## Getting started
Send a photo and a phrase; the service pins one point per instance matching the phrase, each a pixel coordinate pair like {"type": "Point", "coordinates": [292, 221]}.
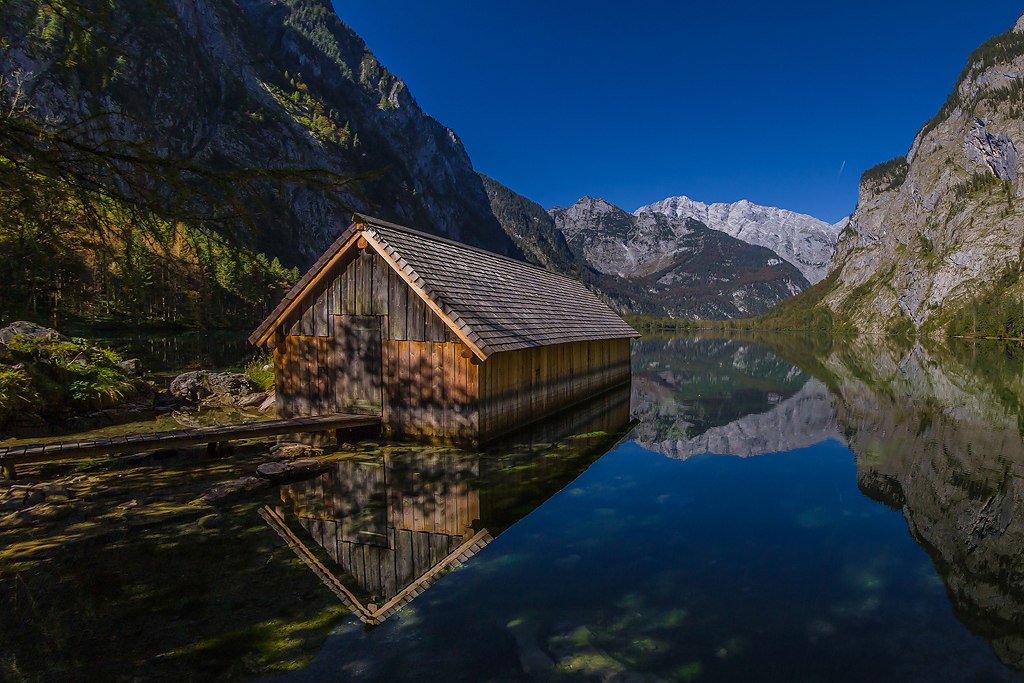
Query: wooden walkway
{"type": "Point", "coordinates": [11, 456]}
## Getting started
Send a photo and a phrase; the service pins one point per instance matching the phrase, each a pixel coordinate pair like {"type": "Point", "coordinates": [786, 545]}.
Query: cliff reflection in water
{"type": "Point", "coordinates": [397, 519]}
{"type": "Point", "coordinates": [936, 432]}
{"type": "Point", "coordinates": [937, 435]}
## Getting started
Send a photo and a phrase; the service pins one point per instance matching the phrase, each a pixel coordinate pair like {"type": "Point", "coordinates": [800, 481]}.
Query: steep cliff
{"type": "Point", "coordinates": [266, 84]}
{"type": "Point", "coordinates": [938, 235]}
{"type": "Point", "coordinates": [686, 269]}
{"type": "Point", "coordinates": [804, 241]}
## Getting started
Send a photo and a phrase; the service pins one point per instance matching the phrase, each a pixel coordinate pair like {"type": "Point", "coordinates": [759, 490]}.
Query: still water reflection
{"type": "Point", "coordinates": [742, 513]}
{"type": "Point", "coordinates": [790, 562]}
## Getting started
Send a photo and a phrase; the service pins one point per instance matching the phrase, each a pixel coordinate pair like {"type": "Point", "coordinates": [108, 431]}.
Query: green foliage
{"type": "Point", "coordinates": [15, 391]}
{"type": "Point", "coordinates": [803, 312]}
{"type": "Point", "coordinates": [926, 245]}
{"type": "Point", "coordinates": [189, 278]}
{"type": "Point", "coordinates": [323, 121]}
{"type": "Point", "coordinates": [998, 49]}
{"type": "Point", "coordinates": [902, 326]}
{"type": "Point", "coordinates": [91, 202]}
{"type": "Point", "coordinates": [979, 182]}
{"type": "Point", "coordinates": [53, 376]}
{"type": "Point", "coordinates": [998, 312]}
{"type": "Point", "coordinates": [641, 322]}
{"type": "Point", "coordinates": [886, 176]}
{"type": "Point", "coordinates": [261, 371]}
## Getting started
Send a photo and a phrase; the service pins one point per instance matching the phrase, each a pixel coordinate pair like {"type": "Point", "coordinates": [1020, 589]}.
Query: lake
{"type": "Point", "coordinates": [777, 507]}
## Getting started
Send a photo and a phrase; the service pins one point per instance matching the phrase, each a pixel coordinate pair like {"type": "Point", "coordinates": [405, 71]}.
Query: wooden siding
{"type": "Point", "coordinates": [365, 342]}
{"type": "Point", "coordinates": [389, 525]}
{"type": "Point", "coordinates": [345, 344]}
{"type": "Point", "coordinates": [518, 387]}
{"type": "Point", "coordinates": [430, 391]}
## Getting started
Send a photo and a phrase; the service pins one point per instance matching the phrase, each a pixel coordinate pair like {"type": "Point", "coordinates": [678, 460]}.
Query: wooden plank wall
{"type": "Point", "coordinates": [430, 391]}
{"type": "Point", "coordinates": [518, 387]}
{"type": "Point", "coordinates": [427, 388]}
{"type": "Point", "coordinates": [419, 382]}
{"type": "Point", "coordinates": [387, 528]}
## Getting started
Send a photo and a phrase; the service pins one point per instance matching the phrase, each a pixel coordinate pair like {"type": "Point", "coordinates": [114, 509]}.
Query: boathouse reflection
{"type": "Point", "coordinates": [394, 521]}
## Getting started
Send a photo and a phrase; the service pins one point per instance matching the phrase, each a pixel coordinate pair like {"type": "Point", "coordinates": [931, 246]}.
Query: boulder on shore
{"type": "Point", "coordinates": [216, 388]}
{"type": "Point", "coordinates": [22, 328]}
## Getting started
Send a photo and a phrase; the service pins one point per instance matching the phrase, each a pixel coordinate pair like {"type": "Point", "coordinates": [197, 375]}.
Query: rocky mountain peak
{"type": "Point", "coordinates": [936, 240]}
{"type": "Point", "coordinates": [803, 241]}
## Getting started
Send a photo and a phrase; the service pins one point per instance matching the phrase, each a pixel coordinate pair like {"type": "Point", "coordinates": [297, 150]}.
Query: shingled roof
{"type": "Point", "coordinates": [492, 302]}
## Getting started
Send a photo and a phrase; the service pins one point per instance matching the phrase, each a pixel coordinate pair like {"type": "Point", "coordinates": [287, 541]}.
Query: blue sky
{"type": "Point", "coordinates": [784, 104]}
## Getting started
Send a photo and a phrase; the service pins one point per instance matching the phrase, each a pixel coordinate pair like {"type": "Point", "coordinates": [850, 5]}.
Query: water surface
{"type": "Point", "coordinates": [770, 508]}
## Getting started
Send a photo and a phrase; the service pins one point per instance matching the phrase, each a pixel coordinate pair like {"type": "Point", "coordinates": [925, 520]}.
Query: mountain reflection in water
{"type": "Point", "coordinates": [752, 524]}
{"type": "Point", "coordinates": [781, 567]}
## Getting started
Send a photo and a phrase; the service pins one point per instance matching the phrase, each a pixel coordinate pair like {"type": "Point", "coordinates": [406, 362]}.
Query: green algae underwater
{"type": "Point", "coordinates": [752, 525]}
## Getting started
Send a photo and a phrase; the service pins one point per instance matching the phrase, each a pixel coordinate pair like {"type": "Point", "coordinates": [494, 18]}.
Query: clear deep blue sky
{"type": "Point", "coordinates": [720, 101]}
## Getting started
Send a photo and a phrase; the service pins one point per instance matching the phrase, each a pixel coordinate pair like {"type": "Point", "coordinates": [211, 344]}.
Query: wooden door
{"type": "Point", "coordinates": [356, 361]}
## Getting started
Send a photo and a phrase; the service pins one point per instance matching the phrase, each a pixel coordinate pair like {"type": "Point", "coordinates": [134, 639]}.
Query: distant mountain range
{"type": "Point", "coordinates": [650, 264]}
{"type": "Point", "coordinates": [691, 270]}
{"type": "Point", "coordinates": [802, 240]}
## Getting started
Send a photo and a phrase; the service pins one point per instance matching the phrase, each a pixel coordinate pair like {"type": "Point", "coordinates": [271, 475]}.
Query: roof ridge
{"type": "Point", "coordinates": [462, 245]}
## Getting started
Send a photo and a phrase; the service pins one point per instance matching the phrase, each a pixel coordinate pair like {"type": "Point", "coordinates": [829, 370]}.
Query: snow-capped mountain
{"type": "Point", "coordinates": [804, 241]}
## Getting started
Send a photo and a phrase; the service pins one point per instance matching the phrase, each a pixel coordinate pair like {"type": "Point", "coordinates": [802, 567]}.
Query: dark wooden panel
{"type": "Point", "coordinates": [421, 553]}
{"type": "Point", "coordinates": [416, 318]}
{"type": "Point", "coordinates": [350, 288]}
{"type": "Point", "coordinates": [364, 290]}
{"type": "Point", "coordinates": [308, 322]}
{"type": "Point", "coordinates": [320, 316]}
{"type": "Point", "coordinates": [324, 378]}
{"type": "Point", "coordinates": [405, 570]}
{"type": "Point", "coordinates": [397, 312]}
{"type": "Point", "coordinates": [379, 303]}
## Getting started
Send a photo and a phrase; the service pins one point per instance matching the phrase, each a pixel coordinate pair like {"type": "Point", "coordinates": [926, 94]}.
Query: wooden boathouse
{"type": "Point", "coordinates": [442, 340]}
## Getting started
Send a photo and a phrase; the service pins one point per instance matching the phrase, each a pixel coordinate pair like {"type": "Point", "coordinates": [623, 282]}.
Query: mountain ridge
{"type": "Point", "coordinates": [802, 240]}
{"type": "Point", "coordinates": [936, 243]}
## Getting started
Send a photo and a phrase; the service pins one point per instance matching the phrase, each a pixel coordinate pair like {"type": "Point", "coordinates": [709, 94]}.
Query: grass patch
{"type": "Point", "coordinates": [261, 371]}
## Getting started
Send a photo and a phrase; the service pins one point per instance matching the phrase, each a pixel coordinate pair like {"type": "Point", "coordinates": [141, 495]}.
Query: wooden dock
{"type": "Point", "coordinates": [11, 456]}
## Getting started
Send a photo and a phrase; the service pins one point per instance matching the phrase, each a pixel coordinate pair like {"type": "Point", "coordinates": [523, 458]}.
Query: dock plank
{"type": "Point", "coordinates": [133, 443]}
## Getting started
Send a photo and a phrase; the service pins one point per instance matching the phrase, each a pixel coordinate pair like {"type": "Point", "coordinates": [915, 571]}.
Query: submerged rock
{"type": "Point", "coordinates": [233, 488]}
{"type": "Point", "coordinates": [293, 451]}
{"type": "Point", "coordinates": [287, 470]}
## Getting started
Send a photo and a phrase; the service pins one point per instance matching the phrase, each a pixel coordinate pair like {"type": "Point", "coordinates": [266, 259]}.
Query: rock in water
{"type": "Point", "coordinates": [293, 451]}
{"type": "Point", "coordinates": [233, 488]}
{"type": "Point", "coordinates": [190, 386]}
{"type": "Point", "coordinates": [287, 470]}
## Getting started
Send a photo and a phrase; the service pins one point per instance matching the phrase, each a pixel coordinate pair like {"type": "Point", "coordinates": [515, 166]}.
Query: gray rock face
{"type": "Point", "coordinates": [216, 388]}
{"type": "Point", "coordinates": [29, 330]}
{"type": "Point", "coordinates": [211, 76]}
{"type": "Point", "coordinates": [994, 150]}
{"type": "Point", "coordinates": [940, 233]}
{"type": "Point", "coordinates": [686, 269]}
{"type": "Point", "coordinates": [802, 240]}
{"type": "Point", "coordinates": [614, 242]}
